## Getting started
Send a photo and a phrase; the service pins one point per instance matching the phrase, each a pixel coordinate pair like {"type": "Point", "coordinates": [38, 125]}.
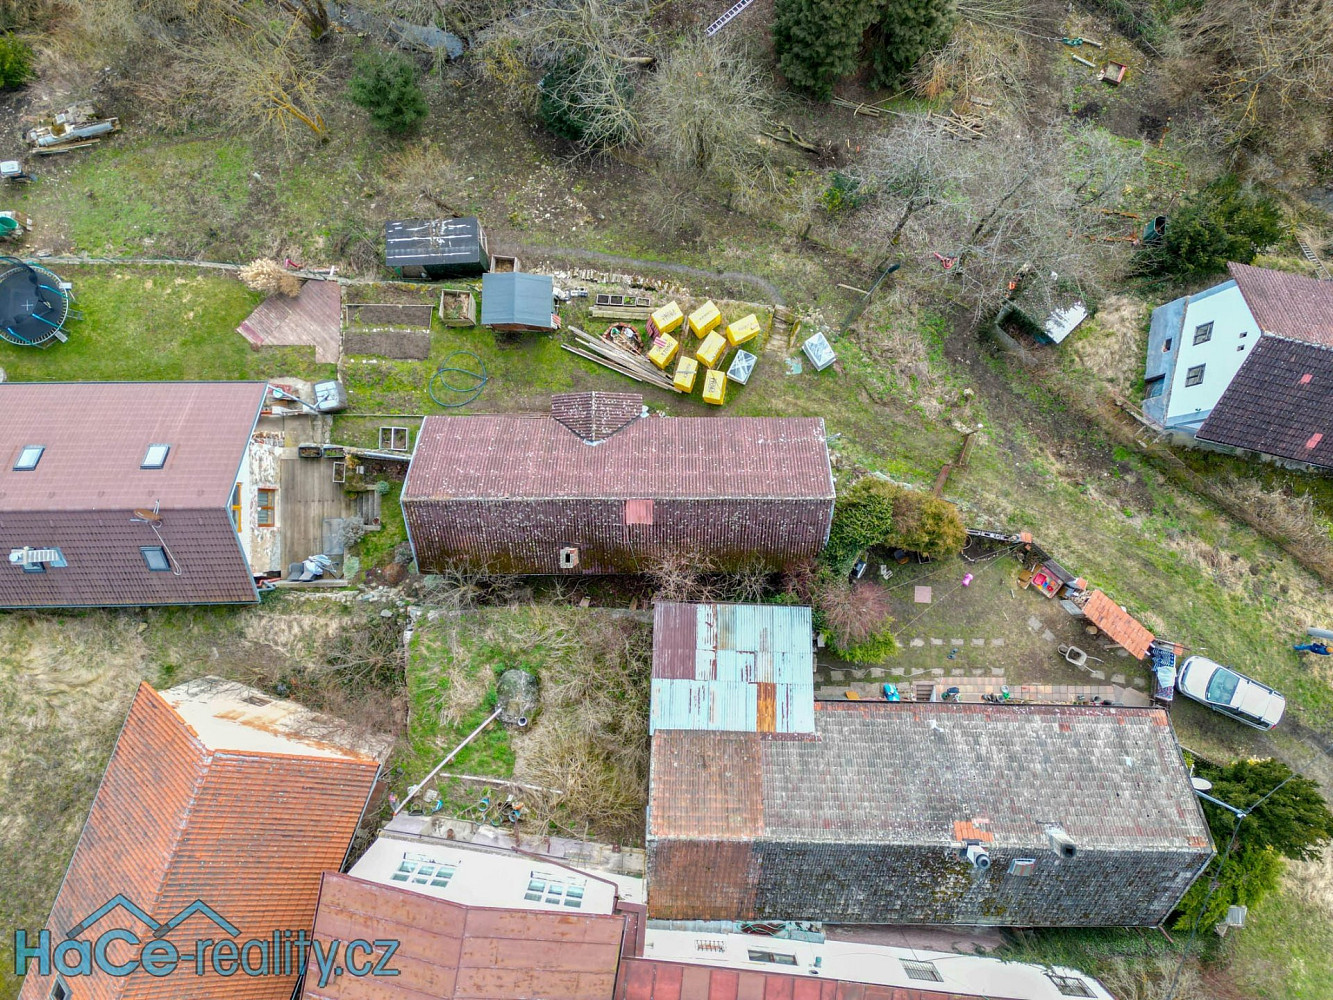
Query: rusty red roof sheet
{"type": "Point", "coordinates": [1287, 305]}
{"type": "Point", "coordinates": [648, 979]}
{"type": "Point", "coordinates": [1121, 626]}
{"type": "Point", "coordinates": [506, 456]}
{"type": "Point", "coordinates": [450, 950]}
{"type": "Point", "coordinates": [595, 416]}
{"type": "Point", "coordinates": [174, 822]}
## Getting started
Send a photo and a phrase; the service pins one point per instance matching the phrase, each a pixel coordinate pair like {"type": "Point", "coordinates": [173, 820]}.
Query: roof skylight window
{"type": "Point", "coordinates": [29, 457]}
{"type": "Point", "coordinates": [155, 457]}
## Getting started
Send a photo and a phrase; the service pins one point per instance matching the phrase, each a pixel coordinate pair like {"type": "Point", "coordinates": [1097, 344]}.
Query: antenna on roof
{"type": "Point", "coordinates": [153, 518]}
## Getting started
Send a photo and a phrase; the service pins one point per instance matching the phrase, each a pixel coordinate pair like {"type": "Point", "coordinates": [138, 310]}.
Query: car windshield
{"type": "Point", "coordinates": [1221, 686]}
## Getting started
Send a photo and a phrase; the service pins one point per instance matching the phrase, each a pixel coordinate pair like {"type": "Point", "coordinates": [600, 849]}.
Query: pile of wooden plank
{"type": "Point", "coordinates": [618, 359]}
{"type": "Point", "coordinates": [959, 126]}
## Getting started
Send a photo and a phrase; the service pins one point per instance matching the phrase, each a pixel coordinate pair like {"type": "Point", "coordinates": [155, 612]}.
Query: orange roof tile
{"type": "Point", "coordinates": [174, 822]}
{"type": "Point", "coordinates": [1118, 624]}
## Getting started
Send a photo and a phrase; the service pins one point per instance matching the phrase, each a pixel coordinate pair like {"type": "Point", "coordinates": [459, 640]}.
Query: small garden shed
{"type": "Point", "coordinates": [435, 249]}
{"type": "Point", "coordinates": [517, 301]}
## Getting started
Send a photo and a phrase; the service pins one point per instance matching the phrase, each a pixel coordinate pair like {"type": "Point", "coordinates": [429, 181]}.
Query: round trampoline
{"type": "Point", "coordinates": [33, 307]}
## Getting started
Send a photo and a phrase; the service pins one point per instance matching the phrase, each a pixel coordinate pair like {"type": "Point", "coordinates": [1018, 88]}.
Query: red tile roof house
{"type": "Point", "coordinates": [80, 458]}
{"type": "Point", "coordinates": [1083, 816]}
{"type": "Point", "coordinates": [214, 793]}
{"type": "Point", "coordinates": [595, 486]}
{"type": "Point", "coordinates": [1246, 367]}
{"type": "Point", "coordinates": [472, 923]}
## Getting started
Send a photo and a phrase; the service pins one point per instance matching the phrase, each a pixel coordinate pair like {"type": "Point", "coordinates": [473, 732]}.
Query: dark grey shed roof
{"type": "Point", "coordinates": [516, 298]}
{"type": "Point", "coordinates": [432, 241]}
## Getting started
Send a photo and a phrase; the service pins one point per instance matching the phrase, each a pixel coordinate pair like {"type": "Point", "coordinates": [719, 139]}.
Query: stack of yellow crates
{"type": "Point", "coordinates": [715, 387]}
{"type": "Point", "coordinates": [745, 328]}
{"type": "Point", "coordinates": [705, 319]}
{"type": "Point", "coordinates": [668, 318]}
{"type": "Point", "coordinates": [663, 350]}
{"type": "Point", "coordinates": [711, 350]}
{"type": "Point", "coordinates": [686, 370]}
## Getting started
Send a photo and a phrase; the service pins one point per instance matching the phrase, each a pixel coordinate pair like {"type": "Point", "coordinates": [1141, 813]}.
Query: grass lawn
{"type": "Point", "coordinates": [588, 740]}
{"type": "Point", "coordinates": [156, 324]}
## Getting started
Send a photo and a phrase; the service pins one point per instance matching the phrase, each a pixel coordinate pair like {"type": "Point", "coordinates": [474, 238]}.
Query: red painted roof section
{"type": "Point", "coordinates": [505, 456]}
{"type": "Point", "coordinates": [595, 416]}
{"type": "Point", "coordinates": [1121, 626]}
{"type": "Point", "coordinates": [648, 979]}
{"type": "Point", "coordinates": [450, 951]}
{"type": "Point", "coordinates": [96, 434]}
{"type": "Point", "coordinates": [174, 822]}
{"type": "Point", "coordinates": [1288, 305]}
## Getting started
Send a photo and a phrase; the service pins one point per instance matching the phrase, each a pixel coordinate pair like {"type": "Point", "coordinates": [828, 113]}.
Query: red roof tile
{"type": "Point", "coordinates": [648, 979]}
{"type": "Point", "coordinates": [1121, 626]}
{"type": "Point", "coordinates": [174, 822]}
{"type": "Point", "coordinates": [1288, 305]}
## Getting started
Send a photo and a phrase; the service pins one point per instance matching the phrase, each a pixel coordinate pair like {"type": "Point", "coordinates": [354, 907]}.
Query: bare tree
{"type": "Point", "coordinates": [977, 214]}
{"type": "Point", "coordinates": [1267, 70]}
{"type": "Point", "coordinates": [702, 112]}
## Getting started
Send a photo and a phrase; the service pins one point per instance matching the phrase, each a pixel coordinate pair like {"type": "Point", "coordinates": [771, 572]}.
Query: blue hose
{"type": "Point", "coordinates": [477, 381]}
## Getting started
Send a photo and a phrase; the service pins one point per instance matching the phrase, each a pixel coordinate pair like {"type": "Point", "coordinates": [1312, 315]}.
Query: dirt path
{"type": "Point", "coordinates": [566, 253]}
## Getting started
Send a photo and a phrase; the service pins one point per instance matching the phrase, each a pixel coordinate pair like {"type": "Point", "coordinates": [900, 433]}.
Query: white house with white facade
{"type": "Point", "coordinates": [1247, 366]}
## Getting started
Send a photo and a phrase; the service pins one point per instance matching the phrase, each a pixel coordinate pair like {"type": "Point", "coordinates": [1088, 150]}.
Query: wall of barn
{"type": "Point", "coordinates": [526, 536]}
{"type": "Point", "coordinates": [906, 884]}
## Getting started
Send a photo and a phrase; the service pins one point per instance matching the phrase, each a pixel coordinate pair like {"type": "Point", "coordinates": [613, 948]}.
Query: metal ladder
{"type": "Point", "coordinates": [1308, 253]}
{"type": "Point", "coordinates": [726, 18]}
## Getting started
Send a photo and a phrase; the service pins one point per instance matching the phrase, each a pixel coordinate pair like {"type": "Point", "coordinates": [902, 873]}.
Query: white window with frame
{"type": "Point", "coordinates": [1194, 375]}
{"type": "Point", "coordinates": [156, 456]}
{"type": "Point", "coordinates": [155, 558]}
{"type": "Point", "coordinates": [422, 869]}
{"type": "Point", "coordinates": [563, 890]}
{"type": "Point", "coordinates": [29, 456]}
{"type": "Point", "coordinates": [1203, 333]}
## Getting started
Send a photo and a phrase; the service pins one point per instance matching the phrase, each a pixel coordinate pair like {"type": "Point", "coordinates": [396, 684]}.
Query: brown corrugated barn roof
{"type": "Point", "coordinates": [505, 456]}
{"type": "Point", "coordinates": [951, 762]}
{"type": "Point", "coordinates": [1287, 305]}
{"type": "Point", "coordinates": [1120, 625]}
{"type": "Point", "coordinates": [1280, 403]}
{"type": "Point", "coordinates": [177, 819]}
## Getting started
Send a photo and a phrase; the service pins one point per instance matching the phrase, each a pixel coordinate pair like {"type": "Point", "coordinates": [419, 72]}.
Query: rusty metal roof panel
{"type": "Point", "coordinates": [752, 668]}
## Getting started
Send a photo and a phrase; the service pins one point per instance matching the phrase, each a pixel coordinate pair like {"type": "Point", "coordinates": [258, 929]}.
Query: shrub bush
{"type": "Point", "coordinates": [1225, 221]}
{"type": "Point", "coordinates": [584, 102]}
{"type": "Point", "coordinates": [15, 62]}
{"type": "Point", "coordinates": [855, 618]}
{"type": "Point", "coordinates": [385, 85]}
{"type": "Point", "coordinates": [876, 512]}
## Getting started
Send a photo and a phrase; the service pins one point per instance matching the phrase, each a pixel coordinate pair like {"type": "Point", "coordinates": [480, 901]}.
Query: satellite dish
{"type": "Point", "coordinates": [150, 516]}
{"type": "Point", "coordinates": [1201, 784]}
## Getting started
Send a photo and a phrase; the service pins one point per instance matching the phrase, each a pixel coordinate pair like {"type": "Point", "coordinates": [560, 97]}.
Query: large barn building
{"type": "Point", "coordinates": [597, 486]}
{"type": "Point", "coordinates": [907, 813]}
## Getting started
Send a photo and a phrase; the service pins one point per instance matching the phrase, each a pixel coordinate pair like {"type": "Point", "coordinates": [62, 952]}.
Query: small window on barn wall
{"type": "Point", "coordinates": [1195, 375]}
{"type": "Point", "coordinates": [265, 515]}
{"type": "Point", "coordinates": [1155, 386]}
{"type": "Point", "coordinates": [569, 557]}
{"type": "Point", "coordinates": [638, 512]}
{"type": "Point", "coordinates": [1203, 333]}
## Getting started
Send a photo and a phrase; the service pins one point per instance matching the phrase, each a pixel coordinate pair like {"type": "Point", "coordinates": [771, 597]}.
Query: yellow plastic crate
{"type": "Point", "coordinates": [668, 317]}
{"type": "Point", "coordinates": [711, 350]}
{"type": "Point", "coordinates": [705, 319]}
{"type": "Point", "coordinates": [663, 350]}
{"type": "Point", "coordinates": [686, 370]}
{"type": "Point", "coordinates": [715, 387]}
{"type": "Point", "coordinates": [745, 328]}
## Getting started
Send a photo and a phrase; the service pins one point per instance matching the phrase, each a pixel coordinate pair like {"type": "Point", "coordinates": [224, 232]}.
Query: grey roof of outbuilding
{"type": "Point", "coordinates": [514, 297]}
{"type": "Point", "coordinates": [1279, 403]}
{"type": "Point", "coordinates": [432, 241]}
{"type": "Point", "coordinates": [906, 773]}
{"type": "Point", "coordinates": [537, 457]}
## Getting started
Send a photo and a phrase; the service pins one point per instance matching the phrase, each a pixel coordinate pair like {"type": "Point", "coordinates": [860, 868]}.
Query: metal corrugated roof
{"type": "Point", "coordinates": [733, 668]}
{"type": "Point", "coordinates": [516, 298]}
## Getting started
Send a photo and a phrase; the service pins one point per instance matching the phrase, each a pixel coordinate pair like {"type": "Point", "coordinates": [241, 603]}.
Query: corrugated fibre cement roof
{"type": "Point", "coordinates": [733, 667]}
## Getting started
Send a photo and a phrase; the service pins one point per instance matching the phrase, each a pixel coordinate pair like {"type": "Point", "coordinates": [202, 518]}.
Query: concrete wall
{"type": "Point", "coordinates": [513, 536]}
{"type": "Point", "coordinates": [263, 545]}
{"type": "Point", "coordinates": [915, 884]}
